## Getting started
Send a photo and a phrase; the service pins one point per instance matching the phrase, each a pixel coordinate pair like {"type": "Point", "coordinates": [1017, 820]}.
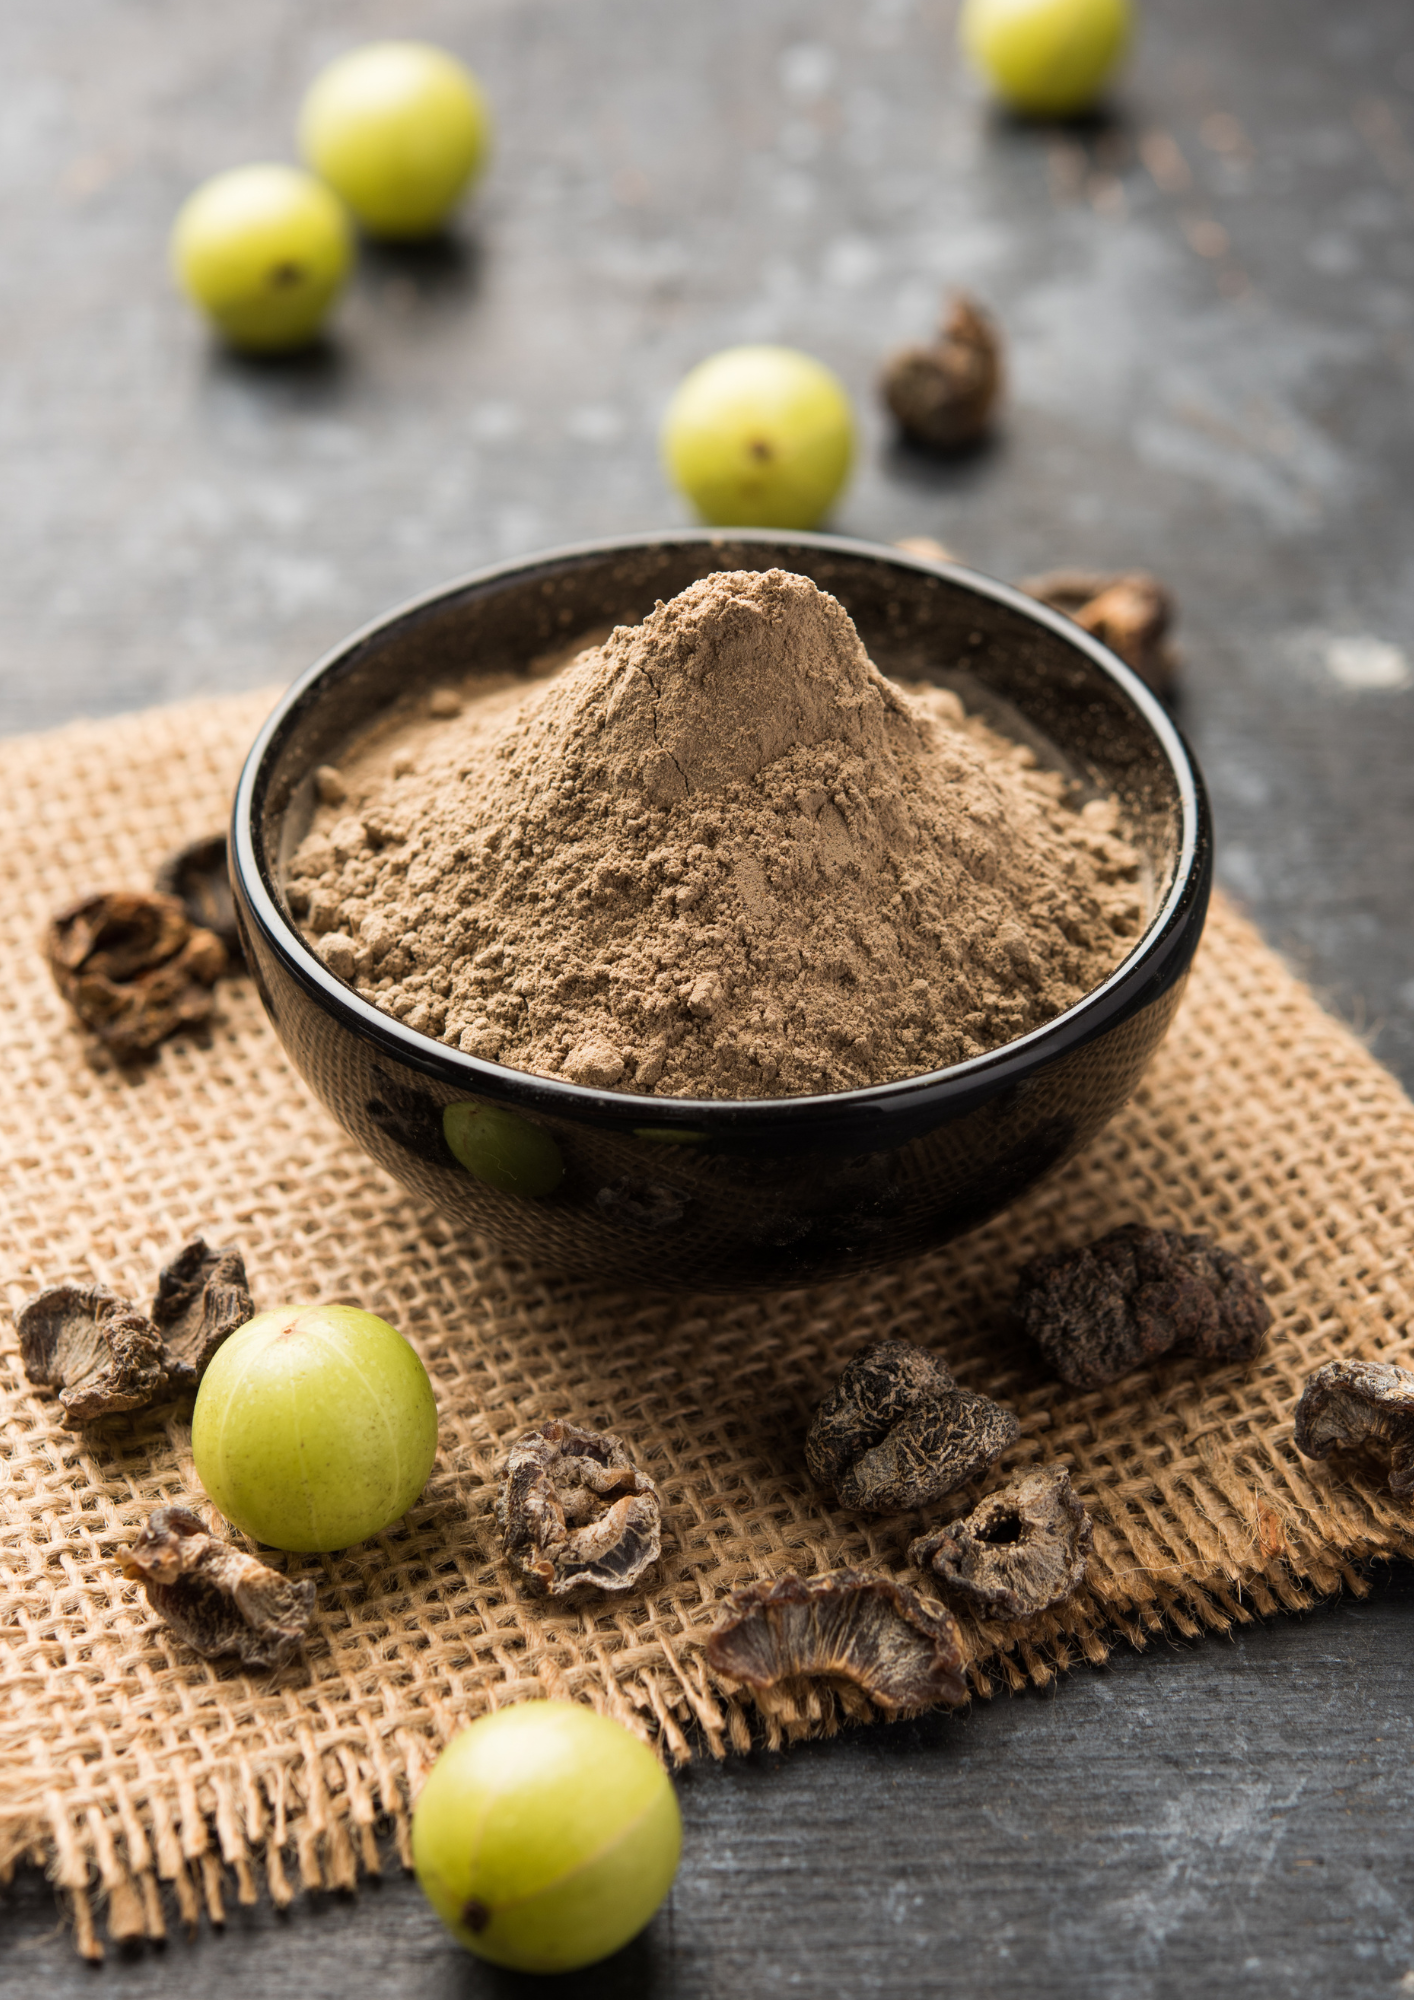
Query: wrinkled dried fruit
{"type": "Point", "coordinates": [97, 1350]}
{"type": "Point", "coordinates": [1023, 1548]}
{"type": "Point", "coordinates": [202, 1296]}
{"type": "Point", "coordinates": [1347, 1405]}
{"type": "Point", "coordinates": [1131, 614]}
{"type": "Point", "coordinates": [132, 968]}
{"type": "Point", "coordinates": [843, 1626]}
{"type": "Point", "coordinates": [944, 394]}
{"type": "Point", "coordinates": [200, 879]}
{"type": "Point", "coordinates": [1099, 1311]}
{"type": "Point", "coordinates": [896, 1431]}
{"type": "Point", "coordinates": [214, 1596]}
{"type": "Point", "coordinates": [573, 1509]}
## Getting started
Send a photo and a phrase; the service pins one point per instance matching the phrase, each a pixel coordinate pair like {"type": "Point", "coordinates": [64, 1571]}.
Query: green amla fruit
{"type": "Point", "coordinates": [314, 1427]}
{"type": "Point", "coordinates": [508, 1153]}
{"type": "Point", "coordinates": [546, 1836]}
{"type": "Point", "coordinates": [400, 130]}
{"type": "Point", "coordinates": [1048, 58]}
{"type": "Point", "coordinates": [264, 251]}
{"type": "Point", "coordinates": [759, 437]}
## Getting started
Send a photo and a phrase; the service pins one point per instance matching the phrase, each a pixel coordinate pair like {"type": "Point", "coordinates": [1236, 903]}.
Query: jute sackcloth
{"type": "Point", "coordinates": [126, 1761]}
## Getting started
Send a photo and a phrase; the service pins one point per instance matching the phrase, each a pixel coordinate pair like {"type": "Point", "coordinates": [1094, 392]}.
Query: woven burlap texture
{"type": "Point", "coordinates": [128, 1762]}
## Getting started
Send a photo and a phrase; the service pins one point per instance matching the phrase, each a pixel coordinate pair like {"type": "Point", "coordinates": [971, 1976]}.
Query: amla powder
{"type": "Point", "coordinates": [719, 855]}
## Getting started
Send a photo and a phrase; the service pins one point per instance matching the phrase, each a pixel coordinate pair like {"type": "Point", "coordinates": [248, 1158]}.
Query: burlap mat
{"type": "Point", "coordinates": [127, 1762]}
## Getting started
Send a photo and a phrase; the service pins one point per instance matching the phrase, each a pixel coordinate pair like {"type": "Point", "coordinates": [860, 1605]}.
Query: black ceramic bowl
{"type": "Point", "coordinates": [714, 1193]}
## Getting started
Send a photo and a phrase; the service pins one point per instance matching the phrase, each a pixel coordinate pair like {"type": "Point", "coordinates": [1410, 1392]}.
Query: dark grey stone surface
{"type": "Point", "coordinates": [1218, 1819]}
{"type": "Point", "coordinates": [1209, 305]}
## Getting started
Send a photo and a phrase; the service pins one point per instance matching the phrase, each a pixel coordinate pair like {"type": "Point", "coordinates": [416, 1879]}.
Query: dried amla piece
{"type": "Point", "coordinates": [132, 968]}
{"type": "Point", "coordinates": [1111, 1306]}
{"type": "Point", "coordinates": [199, 876]}
{"type": "Point", "coordinates": [202, 1296]}
{"type": "Point", "coordinates": [1131, 613]}
{"type": "Point", "coordinates": [846, 1625]}
{"type": "Point", "coordinates": [1350, 1405]}
{"type": "Point", "coordinates": [574, 1510]}
{"type": "Point", "coordinates": [1023, 1548]}
{"type": "Point", "coordinates": [942, 394]}
{"type": "Point", "coordinates": [96, 1349]}
{"type": "Point", "coordinates": [214, 1596]}
{"type": "Point", "coordinates": [897, 1432]}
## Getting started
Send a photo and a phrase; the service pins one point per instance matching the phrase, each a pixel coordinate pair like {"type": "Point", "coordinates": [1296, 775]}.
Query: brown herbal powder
{"type": "Point", "coordinates": [717, 855]}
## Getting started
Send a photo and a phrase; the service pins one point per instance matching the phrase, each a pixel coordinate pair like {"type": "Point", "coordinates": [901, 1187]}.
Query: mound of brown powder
{"type": "Point", "coordinates": [719, 855]}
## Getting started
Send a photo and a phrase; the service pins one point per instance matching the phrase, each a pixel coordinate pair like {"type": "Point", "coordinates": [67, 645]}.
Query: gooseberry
{"type": "Point", "coordinates": [546, 1836]}
{"type": "Point", "coordinates": [1050, 58]}
{"type": "Point", "coordinates": [399, 129]}
{"type": "Point", "coordinates": [264, 252]}
{"type": "Point", "coordinates": [759, 437]}
{"type": "Point", "coordinates": [508, 1153]}
{"type": "Point", "coordinates": [314, 1427]}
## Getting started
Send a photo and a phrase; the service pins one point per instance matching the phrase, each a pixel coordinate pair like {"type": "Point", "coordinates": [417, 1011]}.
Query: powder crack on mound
{"type": "Point", "coordinates": [717, 855]}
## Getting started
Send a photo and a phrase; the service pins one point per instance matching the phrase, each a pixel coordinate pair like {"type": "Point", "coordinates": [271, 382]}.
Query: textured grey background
{"type": "Point", "coordinates": [1209, 304]}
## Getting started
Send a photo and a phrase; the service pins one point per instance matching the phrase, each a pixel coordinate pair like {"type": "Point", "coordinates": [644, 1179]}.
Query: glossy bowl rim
{"type": "Point", "coordinates": [965, 1081]}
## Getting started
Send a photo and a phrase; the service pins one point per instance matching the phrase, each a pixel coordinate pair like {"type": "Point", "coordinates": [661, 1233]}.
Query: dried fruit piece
{"type": "Point", "coordinates": [214, 1596]}
{"type": "Point", "coordinates": [97, 1350]}
{"type": "Point", "coordinates": [842, 1626]}
{"type": "Point", "coordinates": [132, 968]}
{"type": "Point", "coordinates": [1130, 613]}
{"type": "Point", "coordinates": [1350, 1404]}
{"type": "Point", "coordinates": [1023, 1548]}
{"type": "Point", "coordinates": [896, 1431]}
{"type": "Point", "coordinates": [943, 394]}
{"type": "Point", "coordinates": [199, 876]}
{"type": "Point", "coordinates": [1101, 1310]}
{"type": "Point", "coordinates": [202, 1296]}
{"type": "Point", "coordinates": [573, 1509]}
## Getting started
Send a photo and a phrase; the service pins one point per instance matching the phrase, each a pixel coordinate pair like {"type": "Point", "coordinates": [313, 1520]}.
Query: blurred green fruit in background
{"type": "Point", "coordinates": [1050, 58]}
{"type": "Point", "coordinates": [264, 252]}
{"type": "Point", "coordinates": [759, 437]}
{"type": "Point", "coordinates": [400, 130]}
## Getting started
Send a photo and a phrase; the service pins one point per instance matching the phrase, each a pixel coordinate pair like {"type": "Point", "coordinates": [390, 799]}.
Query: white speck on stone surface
{"type": "Point", "coordinates": [808, 69]}
{"type": "Point", "coordinates": [850, 262]}
{"type": "Point", "coordinates": [493, 421]}
{"type": "Point", "coordinates": [793, 194]}
{"type": "Point", "coordinates": [1363, 662]}
{"type": "Point", "coordinates": [594, 423]}
{"type": "Point", "coordinates": [1333, 254]}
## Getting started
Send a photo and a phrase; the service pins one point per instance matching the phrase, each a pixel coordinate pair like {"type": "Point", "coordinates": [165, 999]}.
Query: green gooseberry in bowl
{"type": "Point", "coordinates": [400, 130]}
{"type": "Point", "coordinates": [508, 1153]}
{"type": "Point", "coordinates": [264, 252]}
{"type": "Point", "coordinates": [1046, 58]}
{"type": "Point", "coordinates": [546, 1836]}
{"type": "Point", "coordinates": [314, 1427]}
{"type": "Point", "coordinates": [759, 437]}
